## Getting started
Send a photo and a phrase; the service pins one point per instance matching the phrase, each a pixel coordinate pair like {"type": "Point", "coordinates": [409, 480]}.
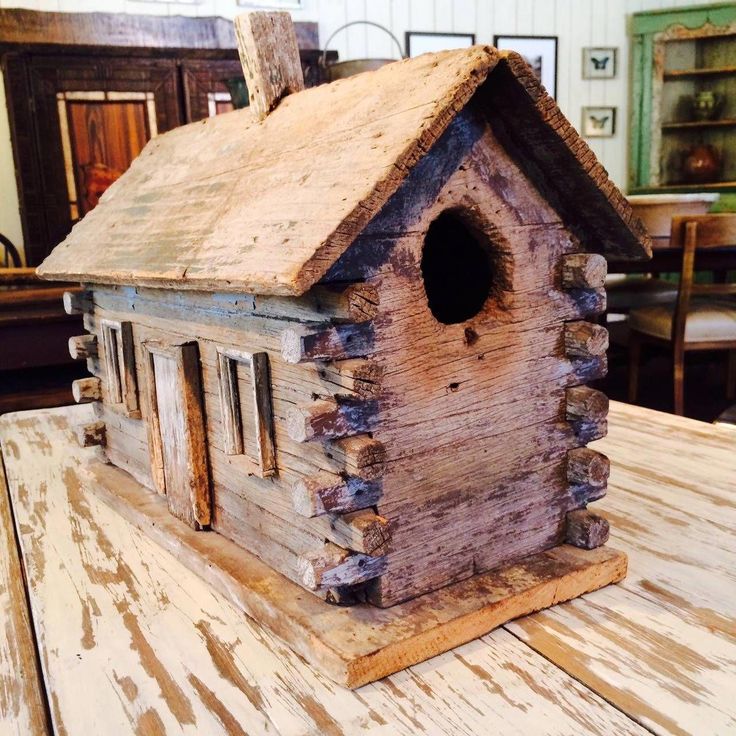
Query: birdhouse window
{"type": "Point", "coordinates": [245, 396]}
{"type": "Point", "coordinates": [119, 360]}
{"type": "Point", "coordinates": [456, 269]}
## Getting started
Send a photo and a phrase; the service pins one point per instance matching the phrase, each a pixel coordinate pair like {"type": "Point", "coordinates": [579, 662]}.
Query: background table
{"type": "Point", "coordinates": [131, 642]}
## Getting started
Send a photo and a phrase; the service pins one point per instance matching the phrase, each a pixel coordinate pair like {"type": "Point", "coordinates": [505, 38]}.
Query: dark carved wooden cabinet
{"type": "Point", "coordinates": [80, 113]}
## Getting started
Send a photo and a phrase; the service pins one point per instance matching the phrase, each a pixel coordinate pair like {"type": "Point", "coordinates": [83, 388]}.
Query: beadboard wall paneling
{"type": "Point", "coordinates": [576, 23]}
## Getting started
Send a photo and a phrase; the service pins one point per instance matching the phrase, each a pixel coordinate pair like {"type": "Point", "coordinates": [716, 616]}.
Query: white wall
{"type": "Point", "coordinates": [577, 23]}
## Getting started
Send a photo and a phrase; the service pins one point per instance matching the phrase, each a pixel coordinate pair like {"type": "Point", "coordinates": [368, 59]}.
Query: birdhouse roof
{"type": "Point", "coordinates": [229, 203]}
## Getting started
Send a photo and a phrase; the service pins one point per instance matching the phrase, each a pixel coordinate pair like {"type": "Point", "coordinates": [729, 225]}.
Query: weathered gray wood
{"type": "Point", "coordinates": [86, 389]}
{"type": "Point", "coordinates": [234, 423]}
{"type": "Point", "coordinates": [92, 434]}
{"type": "Point", "coordinates": [77, 302]}
{"type": "Point", "coordinates": [332, 566]}
{"type": "Point", "coordinates": [586, 530]}
{"type": "Point", "coordinates": [585, 339]}
{"type": "Point", "coordinates": [361, 456]}
{"type": "Point", "coordinates": [23, 706]}
{"type": "Point", "coordinates": [330, 493]}
{"type": "Point", "coordinates": [583, 402]}
{"type": "Point", "coordinates": [269, 54]}
{"type": "Point", "coordinates": [336, 343]}
{"type": "Point", "coordinates": [359, 377]}
{"type": "Point", "coordinates": [352, 303]}
{"type": "Point", "coordinates": [363, 531]}
{"type": "Point", "coordinates": [178, 432]}
{"type": "Point", "coordinates": [330, 419]}
{"type": "Point", "coordinates": [82, 347]}
{"type": "Point", "coordinates": [584, 271]}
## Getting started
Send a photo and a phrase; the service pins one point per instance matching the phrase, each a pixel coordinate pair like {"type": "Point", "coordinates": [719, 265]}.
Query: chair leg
{"type": "Point", "coordinates": [679, 378]}
{"type": "Point", "coordinates": [634, 358]}
{"type": "Point", "coordinates": [731, 375]}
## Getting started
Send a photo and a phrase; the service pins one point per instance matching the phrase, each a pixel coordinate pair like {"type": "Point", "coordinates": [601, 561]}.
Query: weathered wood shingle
{"type": "Point", "coordinates": [232, 204]}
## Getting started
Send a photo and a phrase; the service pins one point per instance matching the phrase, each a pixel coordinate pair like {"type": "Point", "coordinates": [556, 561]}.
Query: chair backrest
{"type": "Point", "coordinates": [691, 233]}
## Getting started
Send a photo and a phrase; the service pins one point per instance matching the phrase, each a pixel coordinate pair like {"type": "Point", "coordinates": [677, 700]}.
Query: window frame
{"type": "Point", "coordinates": [120, 370]}
{"type": "Point", "coordinates": [232, 420]}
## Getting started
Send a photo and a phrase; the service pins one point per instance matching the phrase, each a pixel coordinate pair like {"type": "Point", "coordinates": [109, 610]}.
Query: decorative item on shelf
{"type": "Point", "coordinates": [342, 69]}
{"type": "Point", "coordinates": [540, 52]}
{"type": "Point", "coordinates": [423, 42]}
{"type": "Point", "coordinates": [701, 164]}
{"type": "Point", "coordinates": [238, 90]}
{"type": "Point", "coordinates": [706, 105]}
{"type": "Point", "coordinates": [599, 62]}
{"type": "Point", "coordinates": [599, 122]}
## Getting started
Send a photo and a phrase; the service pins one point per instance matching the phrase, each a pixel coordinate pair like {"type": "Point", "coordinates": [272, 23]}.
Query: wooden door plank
{"type": "Point", "coordinates": [167, 654]}
{"type": "Point", "coordinates": [23, 709]}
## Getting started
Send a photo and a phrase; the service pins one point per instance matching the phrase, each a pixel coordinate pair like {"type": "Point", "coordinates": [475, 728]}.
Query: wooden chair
{"type": "Point", "coordinates": [707, 323]}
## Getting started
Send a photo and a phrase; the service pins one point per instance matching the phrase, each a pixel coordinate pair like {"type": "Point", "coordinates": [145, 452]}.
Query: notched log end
{"type": "Point", "coordinates": [90, 435]}
{"type": "Point", "coordinates": [586, 530]}
{"type": "Point", "coordinates": [86, 389]}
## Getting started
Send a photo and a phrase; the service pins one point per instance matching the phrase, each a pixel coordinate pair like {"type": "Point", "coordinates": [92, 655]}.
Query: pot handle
{"type": "Point", "coordinates": [323, 60]}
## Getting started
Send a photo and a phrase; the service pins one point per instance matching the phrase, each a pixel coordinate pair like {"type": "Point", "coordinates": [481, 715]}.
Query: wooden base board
{"type": "Point", "coordinates": [359, 644]}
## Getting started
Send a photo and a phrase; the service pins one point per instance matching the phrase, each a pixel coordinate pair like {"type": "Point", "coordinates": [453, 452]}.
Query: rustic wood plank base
{"type": "Point", "coordinates": [355, 645]}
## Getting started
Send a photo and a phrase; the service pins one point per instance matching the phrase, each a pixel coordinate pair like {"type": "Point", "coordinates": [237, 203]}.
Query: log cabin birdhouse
{"type": "Point", "coordinates": [350, 328]}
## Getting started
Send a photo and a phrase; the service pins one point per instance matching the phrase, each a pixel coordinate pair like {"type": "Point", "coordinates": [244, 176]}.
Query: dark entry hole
{"type": "Point", "coordinates": [456, 268]}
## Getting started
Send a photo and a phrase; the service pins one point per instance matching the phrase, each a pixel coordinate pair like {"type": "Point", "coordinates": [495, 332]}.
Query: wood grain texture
{"type": "Point", "coordinates": [23, 708]}
{"type": "Point", "coordinates": [360, 139]}
{"type": "Point", "coordinates": [356, 646]}
{"type": "Point", "coordinates": [661, 645]}
{"type": "Point", "coordinates": [270, 57]}
{"type": "Point", "coordinates": [164, 651]}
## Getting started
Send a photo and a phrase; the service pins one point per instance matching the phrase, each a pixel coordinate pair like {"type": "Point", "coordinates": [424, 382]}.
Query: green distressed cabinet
{"type": "Point", "coordinates": [683, 135]}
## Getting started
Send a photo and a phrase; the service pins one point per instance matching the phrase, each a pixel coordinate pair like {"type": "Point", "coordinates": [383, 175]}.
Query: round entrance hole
{"type": "Point", "coordinates": [456, 269]}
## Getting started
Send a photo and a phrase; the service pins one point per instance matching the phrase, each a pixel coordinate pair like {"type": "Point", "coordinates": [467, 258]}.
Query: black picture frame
{"type": "Point", "coordinates": [438, 46]}
{"type": "Point", "coordinates": [522, 44]}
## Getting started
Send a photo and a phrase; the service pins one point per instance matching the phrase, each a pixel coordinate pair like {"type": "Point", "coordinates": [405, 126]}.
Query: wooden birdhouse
{"type": "Point", "coordinates": [350, 328]}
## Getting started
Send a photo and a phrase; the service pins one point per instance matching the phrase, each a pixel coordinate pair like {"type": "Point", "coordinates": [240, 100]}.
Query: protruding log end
{"type": "Point", "coordinates": [586, 530]}
{"type": "Point", "coordinates": [586, 466]}
{"type": "Point", "coordinates": [361, 456]}
{"type": "Point", "coordinates": [87, 389]}
{"type": "Point", "coordinates": [329, 419]}
{"type": "Point", "coordinates": [355, 377]}
{"type": "Point", "coordinates": [585, 339]}
{"type": "Point", "coordinates": [363, 531]}
{"type": "Point", "coordinates": [329, 493]}
{"type": "Point", "coordinates": [90, 435]}
{"type": "Point", "coordinates": [582, 402]}
{"type": "Point", "coordinates": [335, 567]}
{"type": "Point", "coordinates": [584, 271]}
{"type": "Point", "coordinates": [82, 347]}
{"type": "Point", "coordinates": [354, 303]}
{"type": "Point", "coordinates": [77, 302]}
{"type": "Point", "coordinates": [300, 345]}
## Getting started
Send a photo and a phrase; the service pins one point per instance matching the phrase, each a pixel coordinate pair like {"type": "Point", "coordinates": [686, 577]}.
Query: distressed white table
{"type": "Point", "coordinates": [130, 642]}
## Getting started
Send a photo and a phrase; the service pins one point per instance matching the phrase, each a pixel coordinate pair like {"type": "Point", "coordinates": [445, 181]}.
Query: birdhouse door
{"type": "Point", "coordinates": [176, 430]}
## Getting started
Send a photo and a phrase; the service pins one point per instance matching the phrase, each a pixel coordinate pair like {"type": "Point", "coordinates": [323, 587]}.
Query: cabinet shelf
{"type": "Point", "coordinates": [725, 123]}
{"type": "Point", "coordinates": [706, 72]}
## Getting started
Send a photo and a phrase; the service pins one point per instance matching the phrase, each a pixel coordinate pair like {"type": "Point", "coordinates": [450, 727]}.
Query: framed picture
{"type": "Point", "coordinates": [599, 62]}
{"type": "Point", "coordinates": [599, 122]}
{"type": "Point", "coordinates": [540, 53]}
{"type": "Point", "coordinates": [420, 42]}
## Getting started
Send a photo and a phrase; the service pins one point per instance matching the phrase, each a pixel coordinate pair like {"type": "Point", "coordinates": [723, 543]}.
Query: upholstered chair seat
{"type": "Point", "coordinates": [708, 320]}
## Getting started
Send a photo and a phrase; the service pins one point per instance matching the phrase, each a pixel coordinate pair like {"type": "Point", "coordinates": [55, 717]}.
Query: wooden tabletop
{"type": "Point", "coordinates": [131, 642]}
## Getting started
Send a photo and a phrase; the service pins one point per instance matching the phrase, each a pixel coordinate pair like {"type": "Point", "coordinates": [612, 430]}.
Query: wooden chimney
{"type": "Point", "coordinates": [270, 57]}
